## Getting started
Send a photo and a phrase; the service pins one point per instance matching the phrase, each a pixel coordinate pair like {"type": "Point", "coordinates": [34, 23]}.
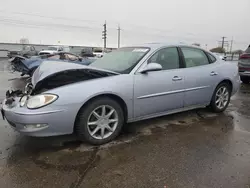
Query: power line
{"type": "Point", "coordinates": [93, 21]}
{"type": "Point", "coordinates": [37, 24]}
{"type": "Point", "coordinates": [50, 17]}
{"type": "Point", "coordinates": [67, 27]}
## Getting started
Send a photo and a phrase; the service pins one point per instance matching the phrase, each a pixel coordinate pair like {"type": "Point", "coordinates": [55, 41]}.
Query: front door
{"type": "Point", "coordinates": [157, 92]}
{"type": "Point", "coordinates": [200, 77]}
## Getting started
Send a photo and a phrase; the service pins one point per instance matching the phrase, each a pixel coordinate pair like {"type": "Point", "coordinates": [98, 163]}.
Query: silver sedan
{"type": "Point", "coordinates": [127, 85]}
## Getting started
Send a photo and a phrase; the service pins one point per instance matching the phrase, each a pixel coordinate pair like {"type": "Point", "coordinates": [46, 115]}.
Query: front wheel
{"type": "Point", "coordinates": [221, 97]}
{"type": "Point", "coordinates": [100, 121]}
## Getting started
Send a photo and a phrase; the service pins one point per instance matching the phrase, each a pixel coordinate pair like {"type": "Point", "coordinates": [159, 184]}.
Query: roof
{"type": "Point", "coordinates": [159, 45]}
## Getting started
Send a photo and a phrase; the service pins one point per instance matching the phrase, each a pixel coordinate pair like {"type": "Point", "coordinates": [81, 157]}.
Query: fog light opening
{"type": "Point", "coordinates": [35, 126]}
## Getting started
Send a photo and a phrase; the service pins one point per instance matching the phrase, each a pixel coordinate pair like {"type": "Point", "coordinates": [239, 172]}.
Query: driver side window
{"type": "Point", "coordinates": [168, 58]}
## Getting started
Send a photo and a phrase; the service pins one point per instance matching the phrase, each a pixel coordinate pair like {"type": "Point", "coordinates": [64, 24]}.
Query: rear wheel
{"type": "Point", "coordinates": [221, 97]}
{"type": "Point", "coordinates": [245, 80]}
{"type": "Point", "coordinates": [100, 121]}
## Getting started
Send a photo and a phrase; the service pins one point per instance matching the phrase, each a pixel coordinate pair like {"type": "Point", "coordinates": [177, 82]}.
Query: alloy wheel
{"type": "Point", "coordinates": [102, 122]}
{"type": "Point", "coordinates": [222, 97]}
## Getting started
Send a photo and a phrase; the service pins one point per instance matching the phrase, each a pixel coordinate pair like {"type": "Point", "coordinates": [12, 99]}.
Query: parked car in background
{"type": "Point", "coordinates": [28, 66]}
{"type": "Point", "coordinates": [98, 53]}
{"type": "Point", "coordinates": [27, 51]}
{"type": "Point", "coordinates": [54, 49]}
{"type": "Point", "coordinates": [126, 85]}
{"type": "Point", "coordinates": [221, 56]}
{"type": "Point", "coordinates": [87, 52]}
{"type": "Point", "coordinates": [244, 66]}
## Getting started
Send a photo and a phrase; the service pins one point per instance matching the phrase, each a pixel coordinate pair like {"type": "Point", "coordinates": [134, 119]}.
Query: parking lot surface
{"type": "Point", "coordinates": [191, 149]}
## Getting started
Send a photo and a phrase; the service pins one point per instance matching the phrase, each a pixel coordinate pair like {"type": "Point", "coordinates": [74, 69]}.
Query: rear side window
{"type": "Point", "coordinates": [194, 57]}
{"type": "Point", "coordinates": [213, 59]}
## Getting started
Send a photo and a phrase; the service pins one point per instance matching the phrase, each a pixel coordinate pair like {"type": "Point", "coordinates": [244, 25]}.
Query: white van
{"type": "Point", "coordinates": [54, 49]}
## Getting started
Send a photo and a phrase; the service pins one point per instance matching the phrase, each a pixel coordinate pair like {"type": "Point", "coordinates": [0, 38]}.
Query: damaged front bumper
{"type": "Point", "coordinates": [33, 122]}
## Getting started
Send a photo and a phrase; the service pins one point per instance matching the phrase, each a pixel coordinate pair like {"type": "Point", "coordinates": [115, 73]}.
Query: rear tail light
{"type": "Point", "coordinates": [245, 56]}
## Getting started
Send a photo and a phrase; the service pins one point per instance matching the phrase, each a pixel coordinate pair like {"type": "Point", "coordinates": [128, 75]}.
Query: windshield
{"type": "Point", "coordinates": [122, 60]}
{"type": "Point", "coordinates": [52, 48]}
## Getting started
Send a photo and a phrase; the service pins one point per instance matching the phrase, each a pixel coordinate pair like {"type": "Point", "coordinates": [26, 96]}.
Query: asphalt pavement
{"type": "Point", "coordinates": [191, 149]}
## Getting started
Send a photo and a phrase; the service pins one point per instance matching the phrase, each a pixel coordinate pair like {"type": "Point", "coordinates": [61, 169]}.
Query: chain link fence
{"type": "Point", "coordinates": [233, 57]}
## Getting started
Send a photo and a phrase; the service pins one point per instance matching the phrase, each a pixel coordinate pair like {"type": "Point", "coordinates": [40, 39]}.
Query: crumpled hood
{"type": "Point", "coordinates": [28, 62]}
{"type": "Point", "coordinates": [49, 68]}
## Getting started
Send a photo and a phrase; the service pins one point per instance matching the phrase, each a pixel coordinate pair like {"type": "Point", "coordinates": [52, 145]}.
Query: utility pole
{"type": "Point", "coordinates": [231, 46]}
{"type": "Point", "coordinates": [119, 35]}
{"type": "Point", "coordinates": [223, 40]}
{"type": "Point", "coordinates": [223, 43]}
{"type": "Point", "coordinates": [104, 35]}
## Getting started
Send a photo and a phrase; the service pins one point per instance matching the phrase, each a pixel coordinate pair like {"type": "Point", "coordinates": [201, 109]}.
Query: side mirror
{"type": "Point", "coordinates": [151, 67]}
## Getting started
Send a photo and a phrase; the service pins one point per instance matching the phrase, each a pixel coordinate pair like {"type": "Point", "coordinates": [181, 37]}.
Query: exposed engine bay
{"type": "Point", "coordinates": [55, 80]}
{"type": "Point", "coordinates": [68, 77]}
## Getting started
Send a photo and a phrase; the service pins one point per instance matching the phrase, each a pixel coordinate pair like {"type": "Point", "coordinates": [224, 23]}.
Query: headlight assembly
{"type": "Point", "coordinates": [39, 101]}
{"type": "Point", "coordinates": [23, 100]}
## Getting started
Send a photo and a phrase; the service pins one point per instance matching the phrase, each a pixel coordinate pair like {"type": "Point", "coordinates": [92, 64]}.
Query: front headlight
{"type": "Point", "coordinates": [39, 101]}
{"type": "Point", "coordinates": [23, 100]}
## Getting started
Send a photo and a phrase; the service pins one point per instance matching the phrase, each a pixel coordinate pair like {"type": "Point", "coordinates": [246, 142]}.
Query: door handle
{"type": "Point", "coordinates": [176, 78]}
{"type": "Point", "coordinates": [213, 73]}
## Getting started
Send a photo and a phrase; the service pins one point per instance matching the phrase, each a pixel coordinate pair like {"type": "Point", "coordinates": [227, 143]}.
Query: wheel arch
{"type": "Point", "coordinates": [111, 96]}
{"type": "Point", "coordinates": [228, 81]}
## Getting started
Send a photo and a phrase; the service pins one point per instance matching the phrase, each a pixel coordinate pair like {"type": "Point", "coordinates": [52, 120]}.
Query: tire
{"type": "Point", "coordinates": [214, 104]}
{"type": "Point", "coordinates": [244, 80]}
{"type": "Point", "coordinates": [86, 113]}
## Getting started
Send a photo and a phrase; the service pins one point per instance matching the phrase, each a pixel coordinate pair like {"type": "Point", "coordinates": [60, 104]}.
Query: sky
{"type": "Point", "coordinates": [80, 22]}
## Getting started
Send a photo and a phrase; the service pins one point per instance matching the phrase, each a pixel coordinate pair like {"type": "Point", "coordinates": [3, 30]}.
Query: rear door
{"type": "Point", "coordinates": [201, 77]}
